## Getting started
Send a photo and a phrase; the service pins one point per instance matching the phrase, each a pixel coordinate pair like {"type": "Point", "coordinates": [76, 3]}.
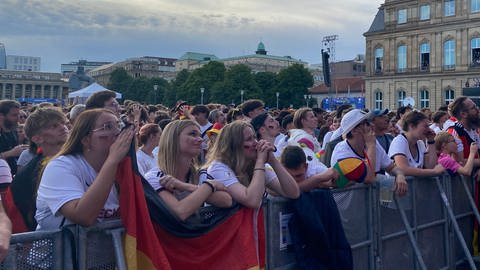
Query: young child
{"type": "Point", "coordinates": [446, 146]}
{"type": "Point", "coordinates": [295, 162]}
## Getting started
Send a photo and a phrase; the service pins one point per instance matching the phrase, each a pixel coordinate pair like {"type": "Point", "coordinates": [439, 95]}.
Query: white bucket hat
{"type": "Point", "coordinates": [351, 119]}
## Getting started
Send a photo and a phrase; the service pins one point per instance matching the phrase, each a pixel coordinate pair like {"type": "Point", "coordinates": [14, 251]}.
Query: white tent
{"type": "Point", "coordinates": [89, 90]}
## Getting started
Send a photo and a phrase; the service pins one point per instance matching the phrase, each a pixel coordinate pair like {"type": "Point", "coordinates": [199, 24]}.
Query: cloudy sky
{"type": "Point", "coordinates": [113, 30]}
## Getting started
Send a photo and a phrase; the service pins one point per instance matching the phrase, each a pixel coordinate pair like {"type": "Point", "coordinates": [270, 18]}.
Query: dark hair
{"type": "Point", "coordinates": [287, 120]}
{"type": "Point", "coordinates": [321, 134]}
{"type": "Point", "coordinates": [98, 99]}
{"type": "Point", "coordinates": [443, 108]}
{"type": "Point", "coordinates": [250, 105]}
{"type": "Point", "coordinates": [293, 157]}
{"type": "Point", "coordinates": [197, 109]}
{"type": "Point", "coordinates": [402, 110]}
{"type": "Point", "coordinates": [232, 114]}
{"type": "Point", "coordinates": [163, 123]}
{"type": "Point", "coordinates": [413, 118]}
{"type": "Point", "coordinates": [160, 115]}
{"type": "Point", "coordinates": [457, 106]}
{"type": "Point", "coordinates": [341, 108]}
{"type": "Point", "coordinates": [282, 115]}
{"type": "Point", "coordinates": [7, 105]}
{"type": "Point", "coordinates": [438, 115]}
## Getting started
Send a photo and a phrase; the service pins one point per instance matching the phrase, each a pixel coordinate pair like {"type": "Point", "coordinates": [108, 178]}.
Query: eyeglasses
{"type": "Point", "coordinates": [110, 127]}
{"type": "Point", "coordinates": [113, 104]}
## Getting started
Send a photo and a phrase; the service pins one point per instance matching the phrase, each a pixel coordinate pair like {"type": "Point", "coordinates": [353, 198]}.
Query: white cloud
{"type": "Point", "coordinates": [63, 31]}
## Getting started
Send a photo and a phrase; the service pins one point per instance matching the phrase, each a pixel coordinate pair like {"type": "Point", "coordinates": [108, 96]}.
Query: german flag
{"type": "Point", "coordinates": [211, 239]}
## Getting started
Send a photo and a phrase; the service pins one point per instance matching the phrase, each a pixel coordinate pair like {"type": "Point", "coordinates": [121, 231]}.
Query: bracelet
{"type": "Point", "coordinates": [211, 185]}
{"type": "Point", "coordinates": [431, 142]}
{"type": "Point", "coordinates": [259, 169]}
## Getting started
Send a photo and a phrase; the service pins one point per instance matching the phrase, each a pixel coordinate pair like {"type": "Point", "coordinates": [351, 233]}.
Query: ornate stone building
{"type": "Point", "coordinates": [147, 66]}
{"type": "Point", "coordinates": [26, 84]}
{"type": "Point", "coordinates": [428, 50]}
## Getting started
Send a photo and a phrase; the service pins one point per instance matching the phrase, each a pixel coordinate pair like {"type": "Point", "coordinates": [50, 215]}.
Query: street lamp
{"type": "Point", "coordinates": [306, 102]}
{"type": "Point", "coordinates": [278, 94]}
{"type": "Point", "coordinates": [201, 92]}
{"type": "Point", "coordinates": [241, 95]}
{"type": "Point", "coordinates": [155, 87]}
{"type": "Point", "coordinates": [309, 98]}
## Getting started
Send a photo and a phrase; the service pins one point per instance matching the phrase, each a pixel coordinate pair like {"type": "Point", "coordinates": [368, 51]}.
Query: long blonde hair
{"type": "Point", "coordinates": [169, 149]}
{"type": "Point", "coordinates": [228, 149]}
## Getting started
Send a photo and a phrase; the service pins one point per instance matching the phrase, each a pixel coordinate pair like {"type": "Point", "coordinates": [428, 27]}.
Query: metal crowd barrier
{"type": "Point", "coordinates": [430, 228]}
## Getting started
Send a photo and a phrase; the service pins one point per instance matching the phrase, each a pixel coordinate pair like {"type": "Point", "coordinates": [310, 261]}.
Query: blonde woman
{"type": "Point", "coordinates": [239, 162]}
{"type": "Point", "coordinates": [176, 178]}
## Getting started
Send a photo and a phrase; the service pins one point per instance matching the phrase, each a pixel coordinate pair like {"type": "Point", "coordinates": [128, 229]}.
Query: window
{"type": "Point", "coordinates": [424, 56]}
{"type": "Point", "coordinates": [449, 96]}
{"type": "Point", "coordinates": [449, 8]}
{"type": "Point", "coordinates": [475, 44]}
{"type": "Point", "coordinates": [475, 5]}
{"type": "Point", "coordinates": [402, 16]}
{"type": "Point", "coordinates": [401, 94]}
{"type": "Point", "coordinates": [402, 58]}
{"type": "Point", "coordinates": [378, 60]}
{"type": "Point", "coordinates": [449, 54]}
{"type": "Point", "coordinates": [424, 12]}
{"type": "Point", "coordinates": [424, 99]}
{"type": "Point", "coordinates": [378, 100]}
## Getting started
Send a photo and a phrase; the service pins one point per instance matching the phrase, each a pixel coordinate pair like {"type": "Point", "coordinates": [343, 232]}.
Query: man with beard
{"type": "Point", "coordinates": [9, 150]}
{"type": "Point", "coordinates": [464, 131]}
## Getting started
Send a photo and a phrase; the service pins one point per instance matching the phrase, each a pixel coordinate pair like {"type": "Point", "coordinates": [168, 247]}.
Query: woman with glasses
{"type": "Point", "coordinates": [77, 185]}
{"type": "Point", "coordinates": [409, 151]}
{"type": "Point", "coordinates": [176, 178]}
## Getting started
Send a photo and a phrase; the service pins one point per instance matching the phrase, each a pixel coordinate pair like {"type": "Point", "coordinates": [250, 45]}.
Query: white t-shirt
{"type": "Point", "coordinates": [326, 139]}
{"type": "Point", "coordinates": [64, 179]}
{"type": "Point", "coordinates": [5, 175]}
{"type": "Point", "coordinates": [435, 128]}
{"type": "Point", "coordinates": [343, 150]}
{"type": "Point", "coordinates": [222, 173]}
{"type": "Point", "coordinates": [400, 146]}
{"type": "Point", "coordinates": [205, 136]}
{"type": "Point", "coordinates": [25, 157]}
{"type": "Point", "coordinates": [153, 177]}
{"type": "Point", "coordinates": [145, 162]}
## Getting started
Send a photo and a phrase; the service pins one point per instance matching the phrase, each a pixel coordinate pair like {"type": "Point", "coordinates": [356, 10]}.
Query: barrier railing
{"type": "Point", "coordinates": [419, 231]}
{"type": "Point", "coordinates": [430, 228]}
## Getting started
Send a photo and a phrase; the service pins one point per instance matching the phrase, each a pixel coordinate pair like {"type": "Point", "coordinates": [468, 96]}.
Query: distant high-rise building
{"type": "Point", "coordinates": [3, 57]}
{"type": "Point", "coordinates": [25, 63]}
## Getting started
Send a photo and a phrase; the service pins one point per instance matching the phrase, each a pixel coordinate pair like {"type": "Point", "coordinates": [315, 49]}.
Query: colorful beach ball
{"type": "Point", "coordinates": [350, 169]}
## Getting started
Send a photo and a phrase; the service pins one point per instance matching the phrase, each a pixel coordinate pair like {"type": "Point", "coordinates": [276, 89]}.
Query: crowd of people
{"type": "Point", "coordinates": [58, 165]}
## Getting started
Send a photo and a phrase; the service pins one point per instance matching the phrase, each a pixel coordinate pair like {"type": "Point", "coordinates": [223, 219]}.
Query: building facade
{"type": "Point", "coordinates": [71, 67]}
{"type": "Point", "coordinates": [147, 66]}
{"type": "Point", "coordinates": [25, 84]}
{"type": "Point", "coordinates": [427, 50]}
{"type": "Point", "coordinates": [25, 63]}
{"type": "Point", "coordinates": [263, 62]}
{"type": "Point", "coordinates": [3, 57]}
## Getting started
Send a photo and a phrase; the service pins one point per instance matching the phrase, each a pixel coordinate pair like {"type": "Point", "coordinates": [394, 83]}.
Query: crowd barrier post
{"type": "Point", "coordinates": [411, 236]}
{"type": "Point", "coordinates": [117, 239]}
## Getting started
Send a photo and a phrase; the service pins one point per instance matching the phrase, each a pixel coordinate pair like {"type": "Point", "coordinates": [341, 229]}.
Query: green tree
{"type": "Point", "coordinates": [120, 81]}
{"type": "Point", "coordinates": [171, 95]}
{"type": "Point", "coordinates": [204, 77]}
{"type": "Point", "coordinates": [293, 83]}
{"type": "Point", "coordinates": [237, 78]}
{"type": "Point", "coordinates": [267, 82]}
